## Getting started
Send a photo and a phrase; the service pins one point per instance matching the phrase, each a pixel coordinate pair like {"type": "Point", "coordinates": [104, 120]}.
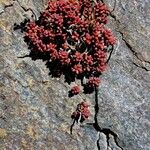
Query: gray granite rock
{"type": "Point", "coordinates": [35, 108]}
{"type": "Point", "coordinates": [125, 91]}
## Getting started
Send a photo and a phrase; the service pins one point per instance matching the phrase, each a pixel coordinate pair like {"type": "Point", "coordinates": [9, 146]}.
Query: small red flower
{"type": "Point", "coordinates": [100, 68]}
{"type": "Point", "coordinates": [87, 59]}
{"type": "Point", "coordinates": [93, 82]}
{"type": "Point", "coordinates": [99, 55]}
{"type": "Point", "coordinates": [75, 90]}
{"type": "Point", "coordinates": [109, 38]}
{"type": "Point", "coordinates": [63, 57]}
{"type": "Point", "coordinates": [83, 110]}
{"type": "Point", "coordinates": [51, 47]}
{"type": "Point", "coordinates": [77, 57]}
{"type": "Point", "coordinates": [87, 38]}
{"type": "Point", "coordinates": [54, 55]}
{"type": "Point", "coordinates": [77, 69]}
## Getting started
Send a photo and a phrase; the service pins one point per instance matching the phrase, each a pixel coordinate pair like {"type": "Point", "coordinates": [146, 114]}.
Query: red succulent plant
{"type": "Point", "coordinates": [73, 34]}
{"type": "Point", "coordinates": [75, 90]}
{"type": "Point", "coordinates": [82, 112]}
{"type": "Point", "coordinates": [94, 82]}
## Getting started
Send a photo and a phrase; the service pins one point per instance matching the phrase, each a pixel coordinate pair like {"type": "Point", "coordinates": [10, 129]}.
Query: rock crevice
{"type": "Point", "coordinates": [105, 131]}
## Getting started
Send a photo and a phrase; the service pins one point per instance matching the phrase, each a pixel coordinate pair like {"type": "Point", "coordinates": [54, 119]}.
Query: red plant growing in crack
{"type": "Point", "coordinates": [75, 90]}
{"type": "Point", "coordinates": [82, 112]}
{"type": "Point", "coordinates": [73, 35]}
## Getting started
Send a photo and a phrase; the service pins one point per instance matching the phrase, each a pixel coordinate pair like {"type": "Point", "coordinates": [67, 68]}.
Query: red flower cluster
{"type": "Point", "coordinates": [63, 57]}
{"type": "Point", "coordinates": [82, 112]}
{"type": "Point", "coordinates": [93, 82]}
{"type": "Point", "coordinates": [75, 90]}
{"type": "Point", "coordinates": [73, 34]}
{"type": "Point", "coordinates": [77, 69]}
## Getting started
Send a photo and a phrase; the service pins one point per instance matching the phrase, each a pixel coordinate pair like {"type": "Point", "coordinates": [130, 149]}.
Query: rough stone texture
{"type": "Point", "coordinates": [35, 109]}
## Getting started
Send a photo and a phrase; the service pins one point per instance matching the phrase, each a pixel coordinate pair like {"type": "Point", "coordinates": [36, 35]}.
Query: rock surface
{"type": "Point", "coordinates": [35, 108]}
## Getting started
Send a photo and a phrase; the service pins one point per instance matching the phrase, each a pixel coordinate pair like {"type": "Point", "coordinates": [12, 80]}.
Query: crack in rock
{"type": "Point", "coordinates": [98, 145]}
{"type": "Point", "coordinates": [142, 67]}
{"type": "Point", "coordinates": [27, 9]}
{"type": "Point", "coordinates": [129, 45]}
{"type": "Point", "coordinates": [114, 48]}
{"type": "Point", "coordinates": [134, 53]}
{"type": "Point", "coordinates": [105, 131]}
{"type": "Point", "coordinates": [5, 7]}
{"type": "Point", "coordinates": [115, 2]}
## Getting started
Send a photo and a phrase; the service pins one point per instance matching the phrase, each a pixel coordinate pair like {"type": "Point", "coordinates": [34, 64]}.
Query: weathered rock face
{"type": "Point", "coordinates": [35, 109]}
